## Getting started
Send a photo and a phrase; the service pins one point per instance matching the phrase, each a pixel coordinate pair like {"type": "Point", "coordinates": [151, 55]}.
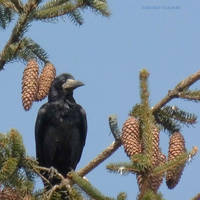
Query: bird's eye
{"type": "Point", "coordinates": [63, 81]}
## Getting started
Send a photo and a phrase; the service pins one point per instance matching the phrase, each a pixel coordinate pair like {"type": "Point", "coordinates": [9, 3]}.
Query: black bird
{"type": "Point", "coordinates": [61, 128]}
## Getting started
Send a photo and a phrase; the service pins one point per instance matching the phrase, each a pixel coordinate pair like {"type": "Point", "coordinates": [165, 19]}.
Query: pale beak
{"type": "Point", "coordinates": [72, 84]}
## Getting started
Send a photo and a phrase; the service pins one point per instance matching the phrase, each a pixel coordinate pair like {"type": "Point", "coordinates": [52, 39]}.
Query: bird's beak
{"type": "Point", "coordinates": [72, 84]}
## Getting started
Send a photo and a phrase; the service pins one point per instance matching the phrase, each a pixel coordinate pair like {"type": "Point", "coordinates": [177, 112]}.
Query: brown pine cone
{"type": "Point", "coordinates": [139, 181]}
{"type": "Point", "coordinates": [158, 158]}
{"type": "Point", "coordinates": [176, 148]}
{"type": "Point", "coordinates": [156, 150]}
{"type": "Point", "coordinates": [157, 180]}
{"type": "Point", "coordinates": [154, 181]}
{"type": "Point", "coordinates": [46, 78]}
{"type": "Point", "coordinates": [130, 137]}
{"type": "Point", "coordinates": [29, 83]}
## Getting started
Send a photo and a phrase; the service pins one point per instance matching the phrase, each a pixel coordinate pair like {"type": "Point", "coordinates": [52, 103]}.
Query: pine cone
{"type": "Point", "coordinates": [157, 159]}
{"type": "Point", "coordinates": [139, 181]}
{"type": "Point", "coordinates": [130, 137]}
{"type": "Point", "coordinates": [155, 181]}
{"type": "Point", "coordinates": [156, 150]}
{"type": "Point", "coordinates": [46, 78]}
{"type": "Point", "coordinates": [176, 148]}
{"type": "Point", "coordinates": [29, 83]}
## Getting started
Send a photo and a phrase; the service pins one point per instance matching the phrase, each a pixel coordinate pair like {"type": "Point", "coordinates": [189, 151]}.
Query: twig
{"type": "Point", "coordinates": [51, 191]}
{"type": "Point", "coordinates": [39, 174]}
{"type": "Point", "coordinates": [179, 88]}
{"type": "Point", "coordinates": [100, 158]}
{"type": "Point", "coordinates": [188, 97]}
{"type": "Point", "coordinates": [197, 197]}
{"type": "Point", "coordinates": [16, 33]}
{"type": "Point", "coordinates": [48, 170]}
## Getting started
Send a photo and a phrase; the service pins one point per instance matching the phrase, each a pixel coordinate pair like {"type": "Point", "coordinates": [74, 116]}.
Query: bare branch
{"type": "Point", "coordinates": [175, 92]}
{"type": "Point", "coordinates": [100, 158]}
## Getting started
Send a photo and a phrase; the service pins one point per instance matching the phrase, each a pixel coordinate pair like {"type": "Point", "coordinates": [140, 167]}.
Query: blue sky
{"type": "Point", "coordinates": [107, 55]}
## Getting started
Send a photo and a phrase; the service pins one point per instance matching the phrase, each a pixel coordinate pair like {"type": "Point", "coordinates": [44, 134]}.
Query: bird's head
{"type": "Point", "coordinates": [63, 86]}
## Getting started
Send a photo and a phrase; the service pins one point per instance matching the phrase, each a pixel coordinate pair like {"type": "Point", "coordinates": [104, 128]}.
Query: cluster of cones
{"type": "Point", "coordinates": [36, 87]}
{"type": "Point", "coordinates": [131, 141]}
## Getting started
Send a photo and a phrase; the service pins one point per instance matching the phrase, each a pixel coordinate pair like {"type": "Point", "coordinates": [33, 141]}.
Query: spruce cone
{"type": "Point", "coordinates": [156, 150]}
{"type": "Point", "coordinates": [29, 83]}
{"type": "Point", "coordinates": [46, 77]}
{"type": "Point", "coordinates": [155, 181]}
{"type": "Point", "coordinates": [176, 148]}
{"type": "Point", "coordinates": [157, 159]}
{"type": "Point", "coordinates": [130, 137]}
{"type": "Point", "coordinates": [139, 181]}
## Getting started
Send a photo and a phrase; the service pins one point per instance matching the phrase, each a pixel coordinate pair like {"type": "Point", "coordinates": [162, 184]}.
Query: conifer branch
{"type": "Point", "coordinates": [141, 161]}
{"type": "Point", "coordinates": [8, 4]}
{"type": "Point", "coordinates": [30, 11]}
{"type": "Point", "coordinates": [121, 196]}
{"type": "Point", "coordinates": [197, 197]}
{"type": "Point", "coordinates": [99, 6]}
{"type": "Point", "coordinates": [17, 33]}
{"type": "Point", "coordinates": [6, 16]}
{"type": "Point", "coordinates": [37, 171]}
{"type": "Point", "coordinates": [87, 187]}
{"type": "Point", "coordinates": [180, 87]}
{"type": "Point", "coordinates": [14, 171]}
{"type": "Point", "coordinates": [178, 161]}
{"type": "Point", "coordinates": [49, 194]}
{"type": "Point", "coordinates": [29, 49]}
{"type": "Point", "coordinates": [144, 93]}
{"type": "Point", "coordinates": [76, 17]}
{"type": "Point", "coordinates": [190, 95]}
{"type": "Point", "coordinates": [146, 118]}
{"type": "Point", "coordinates": [10, 52]}
{"type": "Point", "coordinates": [18, 5]}
{"type": "Point", "coordinates": [150, 195]}
{"type": "Point", "coordinates": [56, 11]}
{"type": "Point", "coordinates": [40, 168]}
{"type": "Point", "coordinates": [170, 118]}
{"type": "Point", "coordinates": [75, 193]}
{"type": "Point", "coordinates": [123, 168]}
{"type": "Point", "coordinates": [100, 158]}
{"type": "Point", "coordinates": [8, 168]}
{"type": "Point", "coordinates": [166, 123]}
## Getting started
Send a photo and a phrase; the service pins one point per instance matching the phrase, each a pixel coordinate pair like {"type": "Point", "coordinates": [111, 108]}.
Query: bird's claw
{"type": "Point", "coordinates": [52, 172]}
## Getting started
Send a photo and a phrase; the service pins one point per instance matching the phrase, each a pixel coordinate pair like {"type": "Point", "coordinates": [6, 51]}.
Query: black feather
{"type": "Point", "coordinates": [60, 129]}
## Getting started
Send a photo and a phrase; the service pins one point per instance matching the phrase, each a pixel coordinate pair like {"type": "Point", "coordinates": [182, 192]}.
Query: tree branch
{"type": "Point", "coordinates": [100, 158]}
{"type": "Point", "coordinates": [18, 30]}
{"type": "Point", "coordinates": [175, 92]}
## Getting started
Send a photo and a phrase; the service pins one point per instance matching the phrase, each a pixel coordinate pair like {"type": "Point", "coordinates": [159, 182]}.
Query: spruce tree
{"type": "Point", "coordinates": [139, 136]}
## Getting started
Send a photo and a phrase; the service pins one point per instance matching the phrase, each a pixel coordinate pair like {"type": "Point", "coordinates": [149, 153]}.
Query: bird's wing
{"type": "Point", "coordinates": [78, 137]}
{"type": "Point", "coordinates": [39, 131]}
{"type": "Point", "coordinates": [83, 124]}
